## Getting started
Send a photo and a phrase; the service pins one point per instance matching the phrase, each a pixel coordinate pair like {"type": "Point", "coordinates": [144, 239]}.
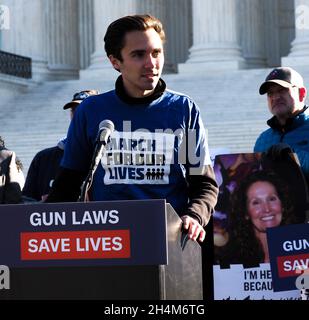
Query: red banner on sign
{"type": "Point", "coordinates": [289, 266]}
{"type": "Point", "coordinates": [103, 244]}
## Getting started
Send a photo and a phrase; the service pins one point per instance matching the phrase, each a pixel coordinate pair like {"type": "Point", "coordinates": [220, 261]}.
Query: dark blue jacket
{"type": "Point", "coordinates": [295, 134]}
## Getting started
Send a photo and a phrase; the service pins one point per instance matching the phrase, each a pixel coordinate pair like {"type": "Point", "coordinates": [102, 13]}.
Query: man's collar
{"type": "Point", "coordinates": [121, 93]}
{"type": "Point", "coordinates": [275, 124]}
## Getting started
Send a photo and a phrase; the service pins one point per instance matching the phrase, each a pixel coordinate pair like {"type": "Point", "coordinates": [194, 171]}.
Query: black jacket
{"type": "Point", "coordinates": [11, 178]}
{"type": "Point", "coordinates": [42, 173]}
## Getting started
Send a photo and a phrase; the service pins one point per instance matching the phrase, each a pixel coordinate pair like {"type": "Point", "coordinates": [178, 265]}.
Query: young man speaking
{"type": "Point", "coordinates": [158, 149]}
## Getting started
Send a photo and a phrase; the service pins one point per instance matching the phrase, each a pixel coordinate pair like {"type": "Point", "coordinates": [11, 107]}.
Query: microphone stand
{"type": "Point", "coordinates": [106, 127]}
{"type": "Point", "coordinates": [86, 185]}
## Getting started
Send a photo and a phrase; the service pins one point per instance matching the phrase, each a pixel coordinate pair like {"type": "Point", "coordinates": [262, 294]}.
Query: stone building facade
{"type": "Point", "coordinates": [64, 38]}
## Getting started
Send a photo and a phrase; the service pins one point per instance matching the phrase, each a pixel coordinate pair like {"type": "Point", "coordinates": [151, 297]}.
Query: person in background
{"type": "Point", "coordinates": [170, 160]}
{"type": "Point", "coordinates": [11, 176]}
{"type": "Point", "coordinates": [45, 164]}
{"type": "Point", "coordinates": [289, 126]}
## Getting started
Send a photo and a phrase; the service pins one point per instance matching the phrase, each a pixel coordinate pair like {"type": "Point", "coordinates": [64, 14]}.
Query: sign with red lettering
{"type": "Point", "coordinates": [289, 254]}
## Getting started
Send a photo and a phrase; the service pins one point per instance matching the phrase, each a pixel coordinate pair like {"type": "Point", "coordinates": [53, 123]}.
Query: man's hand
{"type": "Point", "coordinates": [195, 230]}
{"type": "Point", "coordinates": [279, 151]}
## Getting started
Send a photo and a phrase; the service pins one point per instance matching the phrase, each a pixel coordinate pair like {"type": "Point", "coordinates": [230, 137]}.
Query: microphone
{"type": "Point", "coordinates": [106, 128]}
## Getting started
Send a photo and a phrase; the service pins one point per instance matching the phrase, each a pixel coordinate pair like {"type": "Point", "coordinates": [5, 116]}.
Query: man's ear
{"type": "Point", "coordinates": [115, 62]}
{"type": "Point", "coordinates": [302, 94]}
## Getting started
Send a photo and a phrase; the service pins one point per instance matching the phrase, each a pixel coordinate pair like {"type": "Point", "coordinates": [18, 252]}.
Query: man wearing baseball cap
{"type": "Point", "coordinates": [78, 98]}
{"type": "Point", "coordinates": [45, 164]}
{"type": "Point", "coordinates": [289, 126]}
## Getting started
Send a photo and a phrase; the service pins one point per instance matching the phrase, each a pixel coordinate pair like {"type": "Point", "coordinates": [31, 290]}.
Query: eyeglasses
{"type": "Point", "coordinates": [84, 94]}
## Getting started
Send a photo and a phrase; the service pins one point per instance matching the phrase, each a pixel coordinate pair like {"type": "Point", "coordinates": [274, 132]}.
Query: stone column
{"type": "Point", "coordinates": [5, 23]}
{"type": "Point", "coordinates": [62, 39]}
{"type": "Point", "coordinates": [272, 36]}
{"type": "Point", "coordinates": [252, 32]}
{"type": "Point", "coordinates": [36, 39]}
{"type": "Point", "coordinates": [23, 39]}
{"type": "Point", "coordinates": [86, 31]}
{"type": "Point", "coordinates": [215, 44]}
{"type": "Point", "coordinates": [159, 9]}
{"type": "Point", "coordinates": [106, 12]}
{"type": "Point", "coordinates": [178, 28]}
{"type": "Point", "coordinates": [11, 36]}
{"type": "Point", "coordinates": [299, 54]}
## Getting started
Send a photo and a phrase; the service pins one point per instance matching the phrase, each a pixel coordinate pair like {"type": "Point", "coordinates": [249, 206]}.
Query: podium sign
{"type": "Point", "coordinates": [83, 234]}
{"type": "Point", "coordinates": [98, 250]}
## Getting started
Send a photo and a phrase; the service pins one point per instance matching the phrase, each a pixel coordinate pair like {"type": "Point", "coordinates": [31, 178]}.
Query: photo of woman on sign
{"type": "Point", "coordinates": [253, 196]}
{"type": "Point", "coordinates": [259, 202]}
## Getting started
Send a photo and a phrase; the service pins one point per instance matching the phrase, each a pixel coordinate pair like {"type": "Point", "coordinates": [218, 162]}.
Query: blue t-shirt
{"type": "Point", "coordinates": [153, 148]}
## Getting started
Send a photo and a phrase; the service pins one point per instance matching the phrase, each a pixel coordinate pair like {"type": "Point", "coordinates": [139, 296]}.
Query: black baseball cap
{"type": "Point", "coordinates": [285, 77]}
{"type": "Point", "coordinates": [79, 97]}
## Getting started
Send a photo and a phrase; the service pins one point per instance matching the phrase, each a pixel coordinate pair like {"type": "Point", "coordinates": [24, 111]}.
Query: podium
{"type": "Point", "coordinates": [158, 262]}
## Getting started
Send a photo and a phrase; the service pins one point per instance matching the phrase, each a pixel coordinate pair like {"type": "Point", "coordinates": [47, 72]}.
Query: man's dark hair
{"type": "Point", "coordinates": [115, 35]}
